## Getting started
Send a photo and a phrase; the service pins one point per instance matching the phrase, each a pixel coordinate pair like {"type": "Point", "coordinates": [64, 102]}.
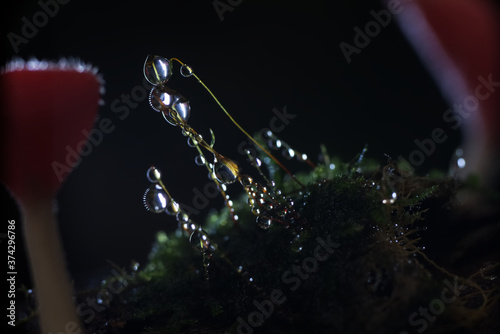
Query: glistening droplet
{"type": "Point", "coordinates": [155, 199]}
{"type": "Point", "coordinates": [192, 142]}
{"type": "Point", "coordinates": [226, 170]}
{"type": "Point", "coordinates": [288, 153]}
{"type": "Point", "coordinates": [264, 222]}
{"type": "Point", "coordinates": [162, 98]}
{"type": "Point", "coordinates": [153, 174]}
{"type": "Point", "coordinates": [199, 160]}
{"type": "Point", "coordinates": [182, 217]}
{"type": "Point", "coordinates": [246, 181]}
{"type": "Point", "coordinates": [274, 143]}
{"type": "Point", "coordinates": [186, 71]}
{"type": "Point", "coordinates": [172, 209]}
{"type": "Point", "coordinates": [296, 243]}
{"type": "Point", "coordinates": [157, 70]}
{"type": "Point", "coordinates": [255, 210]}
{"type": "Point", "coordinates": [182, 107]}
{"type": "Point", "coordinates": [200, 241]}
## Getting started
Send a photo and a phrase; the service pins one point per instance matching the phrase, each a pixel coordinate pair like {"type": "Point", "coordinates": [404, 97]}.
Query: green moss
{"type": "Point", "coordinates": [372, 280]}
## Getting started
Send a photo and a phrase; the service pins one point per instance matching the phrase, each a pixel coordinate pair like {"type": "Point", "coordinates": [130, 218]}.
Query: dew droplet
{"type": "Point", "coordinates": [182, 217]}
{"type": "Point", "coordinates": [268, 206]}
{"type": "Point", "coordinates": [186, 70]}
{"type": "Point", "coordinates": [134, 266]}
{"type": "Point", "coordinates": [490, 270]}
{"type": "Point", "coordinates": [155, 199]}
{"type": "Point", "coordinates": [192, 142]}
{"type": "Point", "coordinates": [226, 170]}
{"type": "Point", "coordinates": [391, 200]}
{"type": "Point", "coordinates": [461, 163]}
{"type": "Point", "coordinates": [169, 116]}
{"type": "Point", "coordinates": [246, 181]}
{"type": "Point", "coordinates": [186, 227]}
{"type": "Point", "coordinates": [240, 269]}
{"type": "Point", "coordinates": [255, 210]}
{"type": "Point", "coordinates": [281, 212]}
{"type": "Point", "coordinates": [104, 297]}
{"type": "Point", "coordinates": [288, 153]}
{"type": "Point", "coordinates": [274, 143]}
{"type": "Point", "coordinates": [199, 160]}
{"type": "Point", "coordinates": [157, 70]}
{"type": "Point", "coordinates": [182, 107]}
{"type": "Point", "coordinates": [172, 209]}
{"type": "Point", "coordinates": [153, 174]}
{"type": "Point", "coordinates": [296, 243]}
{"type": "Point", "coordinates": [263, 222]}
{"type": "Point", "coordinates": [267, 134]}
{"type": "Point", "coordinates": [199, 240]}
{"type": "Point", "coordinates": [162, 98]}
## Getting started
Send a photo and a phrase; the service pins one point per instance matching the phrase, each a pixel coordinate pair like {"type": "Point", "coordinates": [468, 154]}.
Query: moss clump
{"type": "Point", "coordinates": [358, 266]}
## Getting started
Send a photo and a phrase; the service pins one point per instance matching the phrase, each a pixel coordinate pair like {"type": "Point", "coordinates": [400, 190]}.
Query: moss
{"type": "Point", "coordinates": [374, 279]}
{"type": "Point", "coordinates": [358, 265]}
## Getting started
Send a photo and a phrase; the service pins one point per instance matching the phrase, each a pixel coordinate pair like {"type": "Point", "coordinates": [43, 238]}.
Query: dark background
{"type": "Point", "coordinates": [263, 55]}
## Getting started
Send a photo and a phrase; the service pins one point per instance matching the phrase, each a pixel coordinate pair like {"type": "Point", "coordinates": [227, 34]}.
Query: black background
{"type": "Point", "coordinates": [263, 55]}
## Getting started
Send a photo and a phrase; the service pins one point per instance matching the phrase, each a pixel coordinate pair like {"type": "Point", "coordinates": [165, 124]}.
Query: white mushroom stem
{"type": "Point", "coordinates": [53, 291]}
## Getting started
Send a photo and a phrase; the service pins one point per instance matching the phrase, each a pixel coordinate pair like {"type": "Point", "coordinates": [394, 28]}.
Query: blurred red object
{"type": "Point", "coordinates": [45, 107]}
{"type": "Point", "coordinates": [458, 41]}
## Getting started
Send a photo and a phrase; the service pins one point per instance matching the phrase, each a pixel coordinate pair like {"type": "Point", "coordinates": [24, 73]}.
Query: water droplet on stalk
{"type": "Point", "coordinates": [155, 199]}
{"type": "Point", "coordinates": [186, 71]}
{"type": "Point", "coordinates": [157, 70]}
{"type": "Point", "coordinates": [153, 174]}
{"type": "Point", "coordinates": [182, 107]}
{"type": "Point", "coordinates": [172, 209]}
{"type": "Point", "coordinates": [288, 153]}
{"type": "Point", "coordinates": [226, 171]}
{"type": "Point", "coordinates": [200, 241]}
{"type": "Point", "coordinates": [264, 222]}
{"type": "Point", "coordinates": [162, 98]}
{"type": "Point", "coordinates": [274, 144]}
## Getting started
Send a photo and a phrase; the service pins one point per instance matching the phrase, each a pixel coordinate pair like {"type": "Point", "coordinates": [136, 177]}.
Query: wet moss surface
{"type": "Point", "coordinates": [370, 249]}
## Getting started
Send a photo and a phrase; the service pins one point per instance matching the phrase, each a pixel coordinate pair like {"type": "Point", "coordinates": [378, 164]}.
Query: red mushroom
{"type": "Point", "coordinates": [458, 41]}
{"type": "Point", "coordinates": [45, 107]}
